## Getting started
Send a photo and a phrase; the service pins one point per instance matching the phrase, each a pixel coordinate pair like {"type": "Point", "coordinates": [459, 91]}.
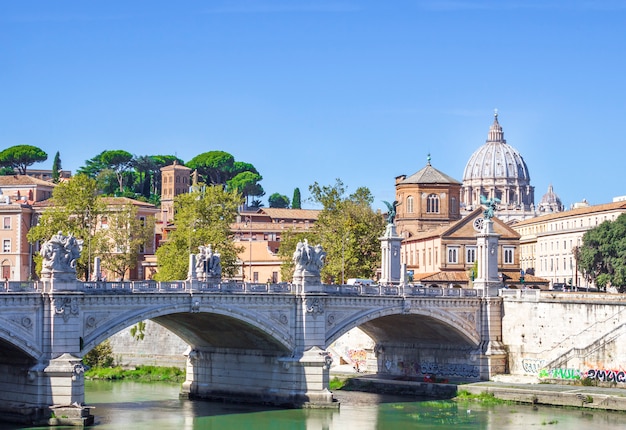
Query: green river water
{"type": "Point", "coordinates": [135, 406]}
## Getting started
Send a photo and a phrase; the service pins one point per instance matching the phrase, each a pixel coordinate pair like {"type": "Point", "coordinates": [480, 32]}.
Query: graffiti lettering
{"type": "Point", "coordinates": [607, 375]}
{"type": "Point", "coordinates": [451, 369]}
{"type": "Point", "coordinates": [571, 374]}
{"type": "Point", "coordinates": [532, 365]}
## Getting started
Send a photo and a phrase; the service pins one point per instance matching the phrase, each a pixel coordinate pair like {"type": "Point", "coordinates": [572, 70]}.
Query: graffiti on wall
{"type": "Point", "coordinates": [604, 375]}
{"type": "Point", "coordinates": [535, 367]}
{"type": "Point", "coordinates": [358, 358]}
{"type": "Point", "coordinates": [449, 369]}
{"type": "Point", "coordinates": [568, 374]}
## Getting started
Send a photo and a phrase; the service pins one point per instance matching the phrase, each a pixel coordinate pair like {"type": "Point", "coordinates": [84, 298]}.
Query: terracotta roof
{"type": "Point", "coordinates": [429, 175]}
{"type": "Point", "coordinates": [126, 201]}
{"type": "Point", "coordinates": [573, 212]}
{"type": "Point", "coordinates": [279, 213]}
{"type": "Point", "coordinates": [22, 180]}
{"type": "Point", "coordinates": [456, 276]}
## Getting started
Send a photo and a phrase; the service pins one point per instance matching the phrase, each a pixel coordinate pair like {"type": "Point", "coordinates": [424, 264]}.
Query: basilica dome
{"type": "Point", "coordinates": [496, 160]}
{"type": "Point", "coordinates": [497, 170]}
{"type": "Point", "coordinates": [550, 202]}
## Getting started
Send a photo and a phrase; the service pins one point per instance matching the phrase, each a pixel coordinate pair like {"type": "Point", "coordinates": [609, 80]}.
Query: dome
{"type": "Point", "coordinates": [550, 202]}
{"type": "Point", "coordinates": [496, 160]}
{"type": "Point", "coordinates": [498, 171]}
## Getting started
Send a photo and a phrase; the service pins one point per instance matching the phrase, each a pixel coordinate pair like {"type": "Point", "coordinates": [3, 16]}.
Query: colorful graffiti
{"type": "Point", "coordinates": [451, 369]}
{"type": "Point", "coordinates": [358, 358]}
{"type": "Point", "coordinates": [607, 375]}
{"type": "Point", "coordinates": [567, 374]}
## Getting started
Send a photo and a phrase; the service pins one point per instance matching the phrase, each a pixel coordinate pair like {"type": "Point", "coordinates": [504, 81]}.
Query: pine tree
{"type": "Point", "coordinates": [56, 168]}
{"type": "Point", "coordinates": [295, 201]}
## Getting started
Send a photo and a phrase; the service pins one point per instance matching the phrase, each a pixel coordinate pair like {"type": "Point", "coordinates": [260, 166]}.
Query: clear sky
{"type": "Point", "coordinates": [316, 90]}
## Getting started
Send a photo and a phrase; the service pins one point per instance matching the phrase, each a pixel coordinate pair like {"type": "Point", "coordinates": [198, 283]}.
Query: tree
{"type": "Point", "coordinates": [119, 161]}
{"type": "Point", "coordinates": [602, 255]}
{"type": "Point", "coordinates": [76, 207]}
{"type": "Point", "coordinates": [201, 218]}
{"type": "Point", "coordinates": [247, 184]}
{"type": "Point", "coordinates": [348, 230]}
{"type": "Point", "coordinates": [278, 201]}
{"type": "Point", "coordinates": [120, 244]}
{"type": "Point", "coordinates": [21, 156]}
{"type": "Point", "coordinates": [295, 201]}
{"type": "Point", "coordinates": [215, 167]}
{"type": "Point", "coordinates": [56, 168]}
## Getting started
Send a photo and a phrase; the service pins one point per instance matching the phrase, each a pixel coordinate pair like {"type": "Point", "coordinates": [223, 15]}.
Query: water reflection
{"type": "Point", "coordinates": [135, 406]}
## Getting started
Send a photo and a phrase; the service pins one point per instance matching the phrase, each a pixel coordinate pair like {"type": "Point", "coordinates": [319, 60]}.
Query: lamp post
{"type": "Point", "coordinates": [249, 222]}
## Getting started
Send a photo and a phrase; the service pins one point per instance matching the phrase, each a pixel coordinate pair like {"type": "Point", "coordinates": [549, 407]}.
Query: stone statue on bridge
{"type": "Point", "coordinates": [308, 261]}
{"type": "Point", "coordinates": [208, 264]}
{"type": "Point", "coordinates": [60, 255]}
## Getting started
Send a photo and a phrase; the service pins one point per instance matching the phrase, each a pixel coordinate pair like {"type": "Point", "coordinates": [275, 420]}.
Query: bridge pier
{"type": "Point", "coordinates": [296, 378]}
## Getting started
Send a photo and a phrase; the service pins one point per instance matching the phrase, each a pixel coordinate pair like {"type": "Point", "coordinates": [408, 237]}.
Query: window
{"type": "Point", "coordinates": [508, 255]}
{"type": "Point", "coordinates": [409, 204]}
{"type": "Point", "coordinates": [470, 254]}
{"type": "Point", "coordinates": [104, 221]}
{"type": "Point", "coordinates": [7, 222]}
{"type": "Point", "coordinates": [6, 245]}
{"type": "Point", "coordinates": [432, 203]}
{"type": "Point", "coordinates": [453, 254]}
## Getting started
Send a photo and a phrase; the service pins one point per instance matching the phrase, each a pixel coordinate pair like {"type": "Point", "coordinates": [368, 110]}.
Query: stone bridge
{"type": "Point", "coordinates": [257, 342]}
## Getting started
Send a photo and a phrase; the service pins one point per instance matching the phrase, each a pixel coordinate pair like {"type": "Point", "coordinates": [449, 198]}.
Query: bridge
{"type": "Point", "coordinates": [259, 342]}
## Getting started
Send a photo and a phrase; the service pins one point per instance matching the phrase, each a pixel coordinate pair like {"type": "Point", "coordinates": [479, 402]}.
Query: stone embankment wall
{"type": "Point", "coordinates": [567, 336]}
{"type": "Point", "coordinates": [159, 347]}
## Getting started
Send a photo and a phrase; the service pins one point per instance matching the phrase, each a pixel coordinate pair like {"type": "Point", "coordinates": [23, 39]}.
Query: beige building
{"type": "Point", "coordinates": [18, 194]}
{"type": "Point", "coordinates": [547, 242]}
{"type": "Point", "coordinates": [428, 199]}
{"type": "Point", "coordinates": [259, 233]}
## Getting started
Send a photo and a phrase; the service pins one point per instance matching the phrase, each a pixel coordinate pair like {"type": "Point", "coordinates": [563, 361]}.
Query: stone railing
{"type": "Point", "coordinates": [235, 287]}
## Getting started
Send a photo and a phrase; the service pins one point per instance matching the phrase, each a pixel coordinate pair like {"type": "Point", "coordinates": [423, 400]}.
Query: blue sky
{"type": "Point", "coordinates": [316, 90]}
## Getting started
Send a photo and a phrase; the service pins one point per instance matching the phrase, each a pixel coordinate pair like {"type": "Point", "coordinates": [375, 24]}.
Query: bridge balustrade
{"type": "Point", "coordinates": [235, 287]}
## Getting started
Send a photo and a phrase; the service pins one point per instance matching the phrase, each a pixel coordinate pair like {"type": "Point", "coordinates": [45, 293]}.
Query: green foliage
{"type": "Point", "coordinates": [295, 201]}
{"type": "Point", "coordinates": [201, 218]}
{"type": "Point", "coordinates": [215, 167]}
{"type": "Point", "coordinates": [602, 255]}
{"type": "Point", "coordinates": [348, 230]}
{"type": "Point", "coordinates": [247, 184]}
{"type": "Point", "coordinates": [484, 398]}
{"type": "Point", "coordinates": [56, 168]}
{"type": "Point", "coordinates": [139, 374]}
{"type": "Point", "coordinates": [100, 356]}
{"type": "Point", "coordinates": [278, 201]}
{"type": "Point", "coordinates": [21, 156]}
{"type": "Point", "coordinates": [120, 244]}
{"type": "Point", "coordinates": [138, 331]}
{"type": "Point", "coordinates": [75, 210]}
{"type": "Point", "coordinates": [336, 384]}
{"type": "Point", "coordinates": [119, 161]}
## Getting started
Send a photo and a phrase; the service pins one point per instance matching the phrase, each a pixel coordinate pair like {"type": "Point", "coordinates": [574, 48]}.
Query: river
{"type": "Point", "coordinates": [156, 406]}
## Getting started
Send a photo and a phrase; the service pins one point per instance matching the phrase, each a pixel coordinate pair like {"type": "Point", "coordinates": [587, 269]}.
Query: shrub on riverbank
{"type": "Point", "coordinates": [139, 374]}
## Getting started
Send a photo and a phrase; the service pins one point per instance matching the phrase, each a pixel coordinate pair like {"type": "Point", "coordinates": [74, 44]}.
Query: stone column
{"type": "Point", "coordinates": [487, 279]}
{"type": "Point", "coordinates": [390, 246]}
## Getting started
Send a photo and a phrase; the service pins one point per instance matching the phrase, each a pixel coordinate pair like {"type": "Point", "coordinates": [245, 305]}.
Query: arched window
{"type": "Point", "coordinates": [409, 204]}
{"type": "Point", "coordinates": [432, 204]}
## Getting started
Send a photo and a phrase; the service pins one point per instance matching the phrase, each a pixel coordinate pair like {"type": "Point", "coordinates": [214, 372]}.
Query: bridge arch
{"type": "Point", "coordinates": [399, 323]}
{"type": "Point", "coordinates": [203, 326]}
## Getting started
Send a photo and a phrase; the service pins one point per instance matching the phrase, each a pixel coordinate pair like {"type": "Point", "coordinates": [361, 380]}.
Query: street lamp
{"type": "Point", "coordinates": [249, 223]}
